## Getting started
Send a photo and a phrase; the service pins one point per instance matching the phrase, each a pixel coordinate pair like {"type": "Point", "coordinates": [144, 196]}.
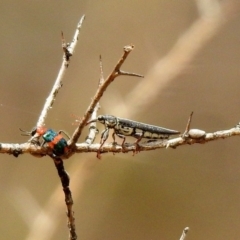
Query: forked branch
{"type": "Point", "coordinates": [101, 89]}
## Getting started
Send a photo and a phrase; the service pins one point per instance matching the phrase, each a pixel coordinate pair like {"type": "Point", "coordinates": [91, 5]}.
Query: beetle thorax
{"type": "Point", "coordinates": [108, 120]}
{"type": "Point", "coordinates": [41, 130]}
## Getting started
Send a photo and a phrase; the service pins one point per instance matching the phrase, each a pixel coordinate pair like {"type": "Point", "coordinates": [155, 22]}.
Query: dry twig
{"type": "Point", "coordinates": [92, 127]}
{"type": "Point", "coordinates": [193, 136]}
{"type": "Point", "coordinates": [115, 73]}
{"type": "Point", "coordinates": [68, 52]}
{"type": "Point", "coordinates": [65, 180]}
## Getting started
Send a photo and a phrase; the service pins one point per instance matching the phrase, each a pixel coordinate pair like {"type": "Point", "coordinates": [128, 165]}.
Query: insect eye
{"type": "Point", "coordinates": [33, 132]}
{"type": "Point", "coordinates": [101, 119]}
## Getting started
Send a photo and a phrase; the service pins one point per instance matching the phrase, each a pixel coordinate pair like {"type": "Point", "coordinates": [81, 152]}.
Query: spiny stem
{"type": "Point", "coordinates": [126, 50]}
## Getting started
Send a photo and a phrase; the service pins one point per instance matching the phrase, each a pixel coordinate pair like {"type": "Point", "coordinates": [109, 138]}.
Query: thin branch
{"type": "Point", "coordinates": [173, 143]}
{"type": "Point", "coordinates": [123, 73]}
{"type": "Point", "coordinates": [116, 72]}
{"type": "Point", "coordinates": [68, 52]}
{"type": "Point", "coordinates": [189, 122]}
{"type": "Point", "coordinates": [193, 136]}
{"type": "Point", "coordinates": [184, 233]}
{"type": "Point", "coordinates": [93, 126]}
{"type": "Point", "coordinates": [73, 44]}
{"type": "Point", "coordinates": [65, 180]}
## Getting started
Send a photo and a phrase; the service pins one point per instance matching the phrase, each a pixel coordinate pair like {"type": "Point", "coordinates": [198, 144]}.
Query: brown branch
{"type": "Point", "coordinates": [65, 180]}
{"type": "Point", "coordinates": [116, 72]}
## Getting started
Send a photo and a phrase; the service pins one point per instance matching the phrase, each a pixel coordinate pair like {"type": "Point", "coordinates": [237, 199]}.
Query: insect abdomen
{"type": "Point", "coordinates": [150, 135]}
{"type": "Point", "coordinates": [149, 130]}
{"type": "Point", "coordinates": [56, 142]}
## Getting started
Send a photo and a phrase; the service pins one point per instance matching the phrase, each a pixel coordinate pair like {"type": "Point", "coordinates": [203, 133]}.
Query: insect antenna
{"type": "Point", "coordinates": [62, 131]}
{"type": "Point", "coordinates": [25, 133]}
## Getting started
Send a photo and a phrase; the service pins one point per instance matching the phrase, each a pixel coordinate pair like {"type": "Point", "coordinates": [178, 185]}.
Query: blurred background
{"type": "Point", "coordinates": [189, 53]}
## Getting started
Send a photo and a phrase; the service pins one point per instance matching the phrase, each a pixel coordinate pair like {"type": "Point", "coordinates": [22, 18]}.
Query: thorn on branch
{"type": "Point", "coordinates": [188, 124]}
{"type": "Point", "coordinates": [101, 79]}
{"type": "Point", "coordinates": [123, 73]}
{"type": "Point", "coordinates": [193, 133]}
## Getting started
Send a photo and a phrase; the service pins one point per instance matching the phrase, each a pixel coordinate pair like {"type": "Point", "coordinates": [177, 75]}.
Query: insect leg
{"type": "Point", "coordinates": [139, 137]}
{"type": "Point", "coordinates": [42, 143]}
{"type": "Point", "coordinates": [25, 133]}
{"type": "Point", "coordinates": [104, 137]}
{"type": "Point", "coordinates": [62, 131]}
{"type": "Point", "coordinates": [113, 136]}
{"type": "Point", "coordinates": [124, 139]}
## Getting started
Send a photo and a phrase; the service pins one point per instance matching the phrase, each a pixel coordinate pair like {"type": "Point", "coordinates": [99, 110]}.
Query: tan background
{"type": "Point", "coordinates": [153, 195]}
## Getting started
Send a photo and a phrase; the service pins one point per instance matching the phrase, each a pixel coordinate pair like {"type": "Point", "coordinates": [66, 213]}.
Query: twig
{"type": "Point", "coordinates": [173, 143]}
{"type": "Point", "coordinates": [73, 44]}
{"type": "Point", "coordinates": [68, 197]}
{"type": "Point", "coordinates": [101, 79]}
{"type": "Point", "coordinates": [193, 136]}
{"type": "Point", "coordinates": [68, 52]}
{"type": "Point", "coordinates": [92, 127]}
{"type": "Point", "coordinates": [184, 233]}
{"type": "Point", "coordinates": [115, 73]}
{"type": "Point", "coordinates": [188, 123]}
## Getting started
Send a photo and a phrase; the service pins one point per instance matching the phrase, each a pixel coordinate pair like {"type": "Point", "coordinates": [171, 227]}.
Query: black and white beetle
{"type": "Point", "coordinates": [125, 127]}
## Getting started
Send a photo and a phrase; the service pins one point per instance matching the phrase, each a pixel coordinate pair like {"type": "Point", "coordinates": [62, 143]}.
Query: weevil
{"type": "Point", "coordinates": [55, 140]}
{"type": "Point", "coordinates": [125, 127]}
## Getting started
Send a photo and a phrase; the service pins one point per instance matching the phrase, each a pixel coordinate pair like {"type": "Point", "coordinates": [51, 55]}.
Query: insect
{"type": "Point", "coordinates": [125, 127]}
{"type": "Point", "coordinates": [54, 140]}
